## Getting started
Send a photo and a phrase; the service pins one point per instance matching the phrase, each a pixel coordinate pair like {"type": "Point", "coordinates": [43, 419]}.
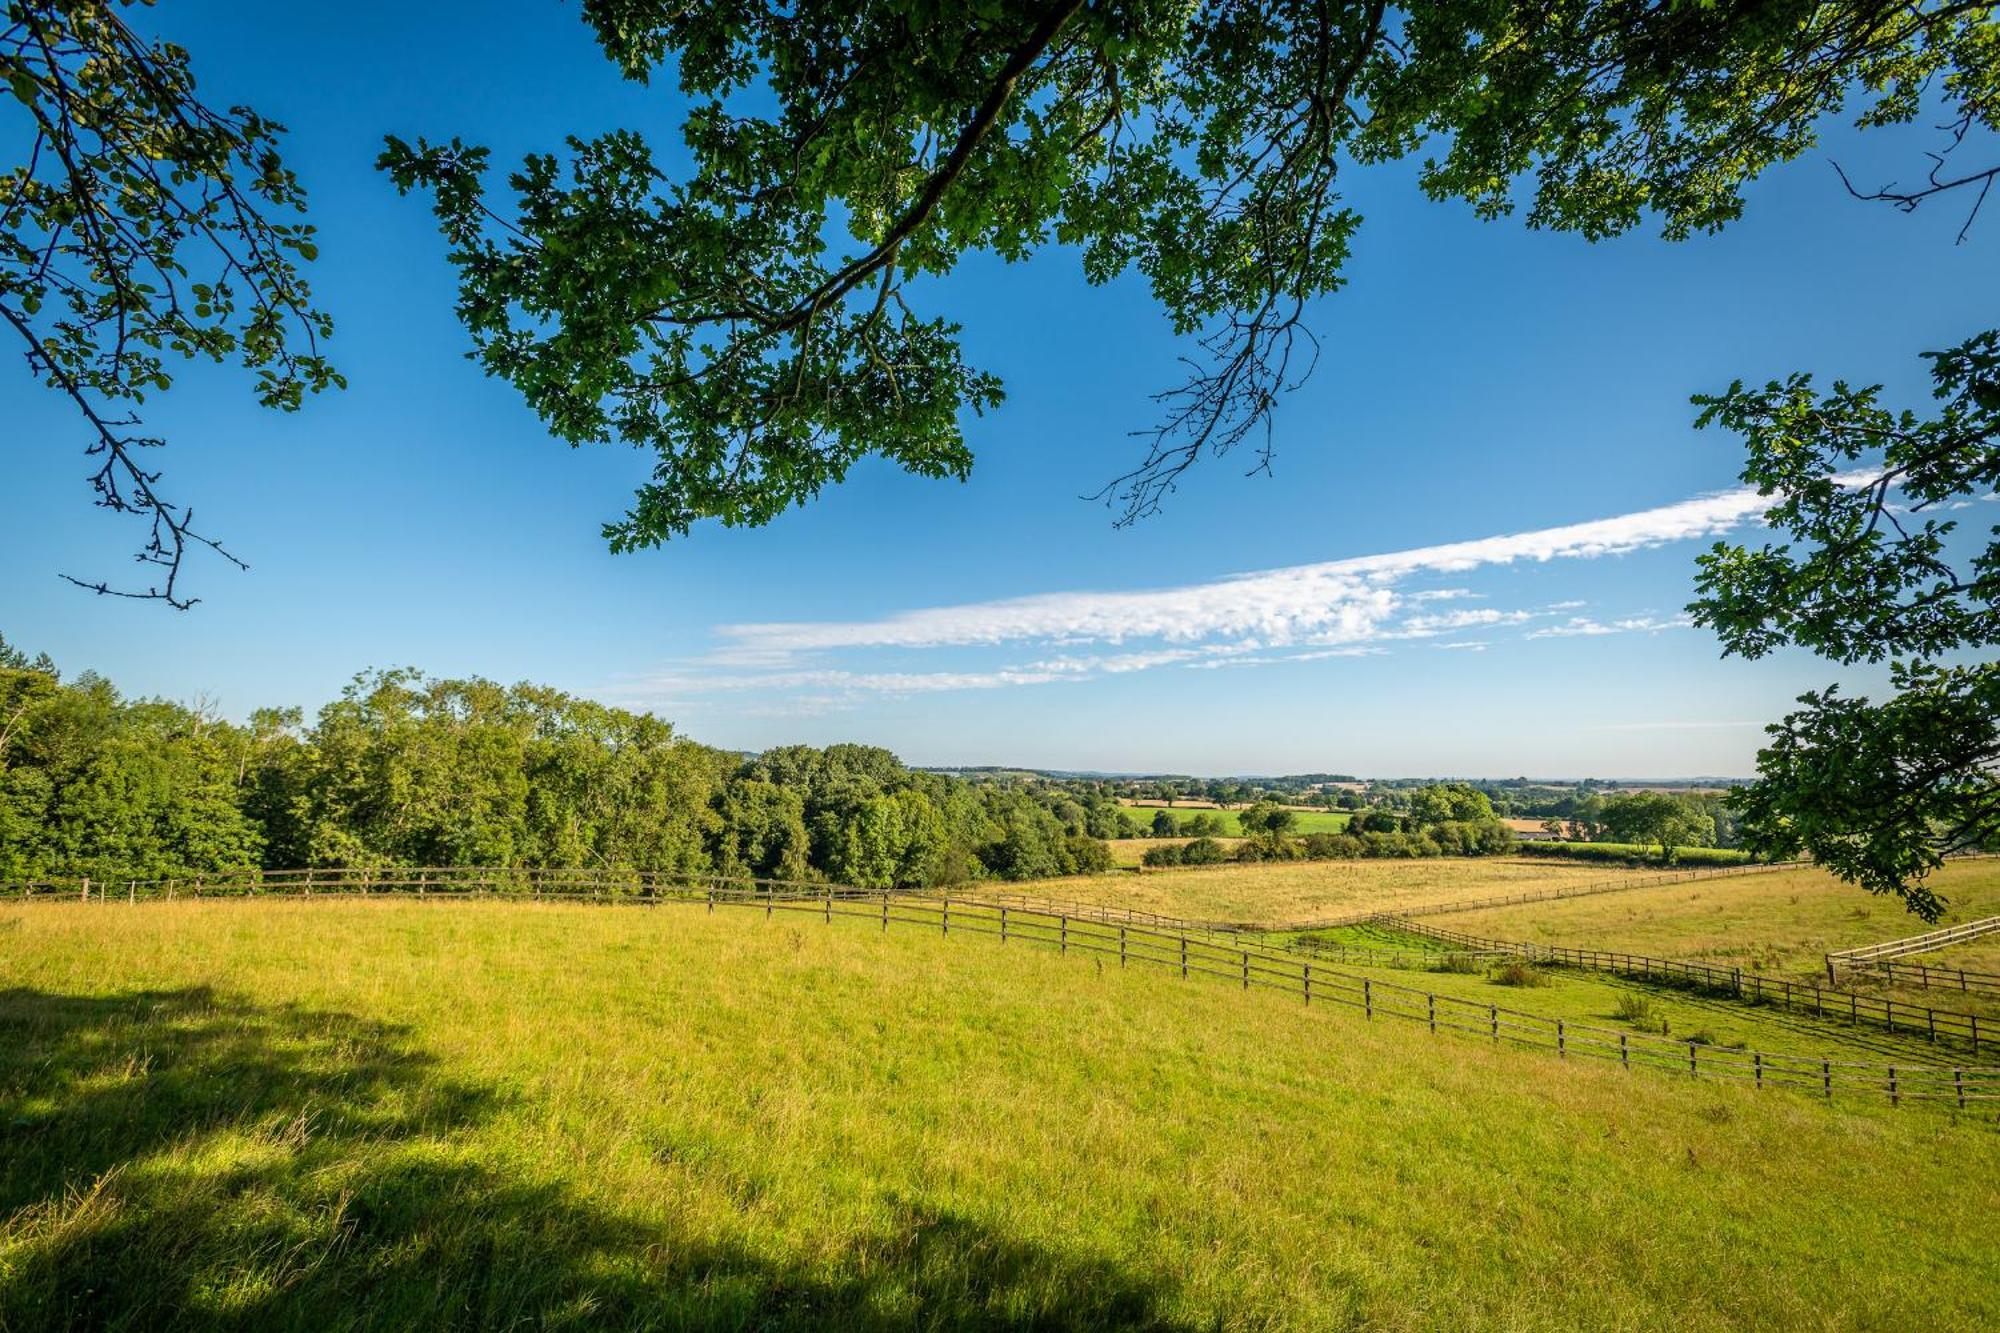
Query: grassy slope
{"type": "Point", "coordinates": [1781, 924]}
{"type": "Point", "coordinates": [1304, 890]}
{"type": "Point", "coordinates": [402, 1114]}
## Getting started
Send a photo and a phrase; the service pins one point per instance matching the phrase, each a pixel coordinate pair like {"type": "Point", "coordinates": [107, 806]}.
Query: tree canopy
{"type": "Point", "coordinates": [140, 227]}
{"type": "Point", "coordinates": [1870, 564]}
{"type": "Point", "coordinates": [757, 304]}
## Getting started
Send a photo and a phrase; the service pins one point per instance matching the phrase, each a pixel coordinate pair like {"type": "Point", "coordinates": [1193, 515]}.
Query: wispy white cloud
{"type": "Point", "coordinates": [1333, 601]}
{"type": "Point", "coordinates": [1673, 726]}
{"type": "Point", "coordinates": [1585, 627]}
{"type": "Point", "coordinates": [1299, 613]}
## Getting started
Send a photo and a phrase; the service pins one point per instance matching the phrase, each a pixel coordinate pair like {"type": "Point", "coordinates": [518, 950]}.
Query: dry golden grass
{"type": "Point", "coordinates": [1781, 924]}
{"type": "Point", "coordinates": [1288, 891]}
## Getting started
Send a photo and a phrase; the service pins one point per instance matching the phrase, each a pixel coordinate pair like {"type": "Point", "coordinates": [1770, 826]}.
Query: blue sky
{"type": "Point", "coordinates": [1480, 383]}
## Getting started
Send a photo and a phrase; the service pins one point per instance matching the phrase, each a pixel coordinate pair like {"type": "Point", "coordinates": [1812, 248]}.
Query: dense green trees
{"type": "Point", "coordinates": [406, 770]}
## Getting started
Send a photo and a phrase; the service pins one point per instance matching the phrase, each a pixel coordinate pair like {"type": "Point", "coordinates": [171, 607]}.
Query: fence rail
{"type": "Point", "coordinates": [1751, 987]}
{"type": "Point", "coordinates": [1237, 962]}
{"type": "Point", "coordinates": [1879, 960]}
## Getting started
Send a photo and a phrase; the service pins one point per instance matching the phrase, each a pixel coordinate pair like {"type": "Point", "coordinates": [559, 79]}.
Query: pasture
{"type": "Point", "coordinates": [1274, 893]}
{"type": "Point", "coordinates": [400, 1114]}
{"type": "Point", "coordinates": [1307, 820]}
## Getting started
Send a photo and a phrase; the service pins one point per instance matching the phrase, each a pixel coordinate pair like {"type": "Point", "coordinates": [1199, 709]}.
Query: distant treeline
{"type": "Point", "coordinates": [1443, 819]}
{"type": "Point", "coordinates": [407, 770]}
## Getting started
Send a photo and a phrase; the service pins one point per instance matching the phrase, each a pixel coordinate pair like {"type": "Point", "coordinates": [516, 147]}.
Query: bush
{"type": "Point", "coordinates": [1629, 853]}
{"type": "Point", "coordinates": [1159, 857]}
{"type": "Point", "coordinates": [1640, 1012]}
{"type": "Point", "coordinates": [1087, 856]}
{"type": "Point", "coordinates": [1203, 852]}
{"type": "Point", "coordinates": [1464, 964]}
{"type": "Point", "coordinates": [1515, 972]}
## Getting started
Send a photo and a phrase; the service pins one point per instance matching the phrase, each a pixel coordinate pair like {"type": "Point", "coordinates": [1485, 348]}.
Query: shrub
{"type": "Point", "coordinates": [1464, 964]}
{"type": "Point", "coordinates": [1203, 852]}
{"type": "Point", "coordinates": [1640, 1012]}
{"type": "Point", "coordinates": [1515, 972]}
{"type": "Point", "coordinates": [1087, 856]}
{"type": "Point", "coordinates": [1629, 853]}
{"type": "Point", "coordinates": [1157, 857]}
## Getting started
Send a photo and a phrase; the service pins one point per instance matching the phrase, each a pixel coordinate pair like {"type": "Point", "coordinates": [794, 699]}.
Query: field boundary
{"type": "Point", "coordinates": [1880, 959]}
{"type": "Point", "coordinates": [1238, 962]}
{"type": "Point", "coordinates": [1750, 987]}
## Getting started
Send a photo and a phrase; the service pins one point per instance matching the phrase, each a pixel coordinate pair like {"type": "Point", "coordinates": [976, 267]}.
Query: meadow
{"type": "Point", "coordinates": [1304, 821]}
{"type": "Point", "coordinates": [1782, 922]}
{"type": "Point", "coordinates": [1275, 893]}
{"type": "Point", "coordinates": [281, 1114]}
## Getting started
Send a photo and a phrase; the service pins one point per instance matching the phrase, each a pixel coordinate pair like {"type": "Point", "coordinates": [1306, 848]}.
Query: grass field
{"type": "Point", "coordinates": [1286, 891]}
{"type": "Point", "coordinates": [389, 1115]}
{"type": "Point", "coordinates": [1782, 922]}
{"type": "Point", "coordinates": [1308, 821]}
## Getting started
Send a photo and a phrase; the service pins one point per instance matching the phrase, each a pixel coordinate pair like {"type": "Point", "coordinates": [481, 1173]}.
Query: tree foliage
{"type": "Point", "coordinates": [403, 769]}
{"type": "Point", "coordinates": [1870, 565]}
{"type": "Point", "coordinates": [758, 308]}
{"type": "Point", "coordinates": [140, 226]}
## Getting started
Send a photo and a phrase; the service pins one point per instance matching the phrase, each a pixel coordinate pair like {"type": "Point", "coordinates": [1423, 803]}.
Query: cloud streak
{"type": "Point", "coordinates": [1298, 613]}
{"type": "Point", "coordinates": [1331, 602]}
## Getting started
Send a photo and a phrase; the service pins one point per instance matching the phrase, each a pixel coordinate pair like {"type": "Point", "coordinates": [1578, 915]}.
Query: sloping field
{"type": "Point", "coordinates": [1280, 892]}
{"type": "Point", "coordinates": [1784, 921]}
{"type": "Point", "coordinates": [404, 1114]}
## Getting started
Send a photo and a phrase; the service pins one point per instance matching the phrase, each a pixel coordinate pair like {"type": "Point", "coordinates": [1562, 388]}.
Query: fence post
{"type": "Point", "coordinates": [1757, 1061]}
{"type": "Point", "coordinates": [1121, 946]}
{"type": "Point", "coordinates": [1692, 1067]}
{"type": "Point", "coordinates": [1826, 1077]}
{"type": "Point", "coordinates": [1367, 997]}
{"type": "Point", "coordinates": [131, 890]}
{"type": "Point", "coordinates": [1562, 1040]}
{"type": "Point", "coordinates": [885, 911]}
{"type": "Point", "coordinates": [1493, 1015]}
{"type": "Point", "coordinates": [1064, 929]}
{"type": "Point", "coordinates": [1958, 1081]}
{"type": "Point", "coordinates": [1184, 957]}
{"type": "Point", "coordinates": [1246, 969]}
{"type": "Point", "coordinates": [711, 902]}
{"type": "Point", "coordinates": [1432, 1006]}
{"type": "Point", "coordinates": [944, 919]}
{"type": "Point", "coordinates": [1625, 1049]}
{"type": "Point", "coordinates": [1975, 1034]}
{"type": "Point", "coordinates": [1895, 1098]}
{"type": "Point", "coordinates": [1003, 927]}
{"type": "Point", "coordinates": [1930, 1016]}
{"type": "Point", "coordinates": [829, 904]}
{"type": "Point", "coordinates": [86, 888]}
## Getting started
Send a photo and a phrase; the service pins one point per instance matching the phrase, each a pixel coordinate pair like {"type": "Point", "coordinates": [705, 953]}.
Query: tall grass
{"type": "Point", "coordinates": [401, 1115]}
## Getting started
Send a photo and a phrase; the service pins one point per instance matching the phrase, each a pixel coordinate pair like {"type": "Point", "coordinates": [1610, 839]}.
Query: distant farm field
{"type": "Point", "coordinates": [1305, 821]}
{"type": "Point", "coordinates": [402, 1114]}
{"type": "Point", "coordinates": [1288, 891]}
{"type": "Point", "coordinates": [1783, 920]}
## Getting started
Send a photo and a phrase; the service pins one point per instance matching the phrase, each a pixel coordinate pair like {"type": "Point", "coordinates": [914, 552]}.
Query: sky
{"type": "Point", "coordinates": [1472, 558]}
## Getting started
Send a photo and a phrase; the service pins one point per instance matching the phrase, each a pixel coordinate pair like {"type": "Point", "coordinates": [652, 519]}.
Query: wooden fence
{"type": "Point", "coordinates": [1750, 987]}
{"type": "Point", "coordinates": [1146, 945]}
{"type": "Point", "coordinates": [1878, 960]}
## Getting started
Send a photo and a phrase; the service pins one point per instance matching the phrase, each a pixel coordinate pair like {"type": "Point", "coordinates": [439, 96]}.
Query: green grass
{"type": "Point", "coordinates": [394, 1115]}
{"type": "Point", "coordinates": [1308, 821]}
{"type": "Point", "coordinates": [1622, 852]}
{"type": "Point", "coordinates": [1781, 923]}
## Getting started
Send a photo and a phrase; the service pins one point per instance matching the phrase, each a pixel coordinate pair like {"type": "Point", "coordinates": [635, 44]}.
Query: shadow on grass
{"type": "Point", "coordinates": [183, 1159]}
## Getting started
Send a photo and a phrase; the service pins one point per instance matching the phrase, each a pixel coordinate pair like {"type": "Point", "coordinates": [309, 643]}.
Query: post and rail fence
{"type": "Point", "coordinates": [1238, 962]}
{"type": "Point", "coordinates": [1750, 987]}
{"type": "Point", "coordinates": [1881, 960]}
